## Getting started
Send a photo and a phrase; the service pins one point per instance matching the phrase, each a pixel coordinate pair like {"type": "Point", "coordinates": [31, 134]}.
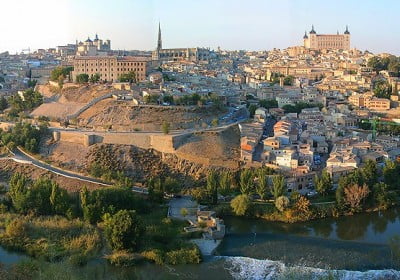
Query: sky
{"type": "Point", "coordinates": [230, 24]}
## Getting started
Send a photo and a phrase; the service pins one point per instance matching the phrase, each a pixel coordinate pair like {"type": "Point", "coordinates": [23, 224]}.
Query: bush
{"type": "Point", "coordinates": [123, 230]}
{"type": "Point", "coordinates": [183, 256]}
{"type": "Point", "coordinates": [154, 255]}
{"type": "Point", "coordinates": [123, 259]}
{"type": "Point", "coordinates": [78, 259]}
{"type": "Point", "coordinates": [281, 203]}
{"type": "Point", "coordinates": [16, 229]}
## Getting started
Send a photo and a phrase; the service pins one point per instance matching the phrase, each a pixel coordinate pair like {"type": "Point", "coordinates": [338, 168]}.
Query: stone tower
{"type": "Point", "coordinates": [159, 42]}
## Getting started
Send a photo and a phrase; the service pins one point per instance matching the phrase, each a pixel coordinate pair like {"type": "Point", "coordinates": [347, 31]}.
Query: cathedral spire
{"type": "Point", "coordinates": [159, 42]}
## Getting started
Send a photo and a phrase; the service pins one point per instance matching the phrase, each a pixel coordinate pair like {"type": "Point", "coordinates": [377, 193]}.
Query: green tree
{"type": "Point", "coordinates": [324, 183]}
{"type": "Point", "coordinates": [212, 186]}
{"type": "Point", "coordinates": [165, 127]}
{"type": "Point", "coordinates": [268, 103]}
{"type": "Point", "coordinates": [18, 191]}
{"type": "Point", "coordinates": [262, 187]}
{"type": "Point", "coordinates": [375, 63]}
{"type": "Point", "coordinates": [381, 196]}
{"type": "Point", "coordinates": [94, 78]}
{"type": "Point", "coordinates": [225, 182]}
{"type": "Point", "coordinates": [252, 110]}
{"type": "Point", "coordinates": [128, 77]}
{"type": "Point", "coordinates": [246, 181]}
{"type": "Point", "coordinates": [391, 172]}
{"type": "Point", "coordinates": [3, 103]}
{"type": "Point", "coordinates": [123, 230]}
{"type": "Point", "coordinates": [370, 173]}
{"type": "Point", "coordinates": [278, 186]}
{"type": "Point", "coordinates": [241, 204]}
{"type": "Point", "coordinates": [82, 78]}
{"type": "Point", "coordinates": [288, 80]}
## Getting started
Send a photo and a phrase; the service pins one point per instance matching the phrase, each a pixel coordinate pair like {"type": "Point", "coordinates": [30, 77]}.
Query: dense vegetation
{"type": "Point", "coordinates": [390, 63]}
{"type": "Point", "coordinates": [262, 193]}
{"type": "Point", "coordinates": [24, 135]}
{"type": "Point", "coordinates": [44, 221]}
{"type": "Point", "coordinates": [31, 99]}
{"type": "Point", "coordinates": [300, 106]}
{"type": "Point", "coordinates": [60, 73]}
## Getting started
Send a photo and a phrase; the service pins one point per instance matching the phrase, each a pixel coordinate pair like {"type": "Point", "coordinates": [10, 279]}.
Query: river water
{"type": "Point", "coordinates": [354, 247]}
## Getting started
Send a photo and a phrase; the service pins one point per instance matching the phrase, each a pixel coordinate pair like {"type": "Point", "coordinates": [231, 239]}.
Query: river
{"type": "Point", "coordinates": [353, 247]}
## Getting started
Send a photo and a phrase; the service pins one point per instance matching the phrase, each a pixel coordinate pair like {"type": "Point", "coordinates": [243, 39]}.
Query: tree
{"type": "Point", "coordinates": [246, 181]}
{"type": "Point", "coordinates": [82, 78]}
{"type": "Point", "coordinates": [123, 230]}
{"type": "Point", "coordinates": [94, 78]}
{"type": "Point", "coordinates": [252, 110]}
{"type": "Point", "coordinates": [370, 173]}
{"type": "Point", "coordinates": [268, 103]}
{"type": "Point", "coordinates": [212, 186]}
{"type": "Point", "coordinates": [303, 204]}
{"type": "Point", "coordinates": [241, 204]}
{"type": "Point", "coordinates": [281, 203]}
{"type": "Point", "coordinates": [262, 186]}
{"type": "Point", "coordinates": [225, 182]}
{"type": "Point", "coordinates": [156, 189]}
{"type": "Point", "coordinates": [375, 63]}
{"type": "Point", "coordinates": [391, 172]}
{"type": "Point", "coordinates": [165, 127]}
{"type": "Point", "coordinates": [60, 72]}
{"type": "Point", "coordinates": [128, 77]}
{"type": "Point", "coordinates": [381, 195]}
{"type": "Point", "coordinates": [354, 195]}
{"type": "Point", "coordinates": [324, 183]}
{"type": "Point", "coordinates": [18, 191]}
{"type": "Point", "coordinates": [3, 103]}
{"type": "Point", "coordinates": [214, 122]}
{"type": "Point", "coordinates": [278, 186]}
{"type": "Point", "coordinates": [354, 178]}
{"type": "Point", "coordinates": [288, 80]}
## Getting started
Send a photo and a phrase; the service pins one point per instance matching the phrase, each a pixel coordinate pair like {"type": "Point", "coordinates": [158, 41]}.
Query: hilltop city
{"type": "Point", "coordinates": [288, 135]}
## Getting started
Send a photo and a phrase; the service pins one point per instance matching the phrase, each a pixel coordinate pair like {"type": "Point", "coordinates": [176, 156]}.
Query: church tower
{"type": "Point", "coordinates": [159, 42]}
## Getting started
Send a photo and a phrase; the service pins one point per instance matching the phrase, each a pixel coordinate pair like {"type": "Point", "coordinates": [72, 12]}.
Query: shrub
{"type": "Point", "coordinates": [154, 255]}
{"type": "Point", "coordinates": [123, 258]}
{"type": "Point", "coordinates": [281, 203]}
{"type": "Point", "coordinates": [16, 229]}
{"type": "Point", "coordinates": [183, 256]}
{"type": "Point", "coordinates": [123, 230]}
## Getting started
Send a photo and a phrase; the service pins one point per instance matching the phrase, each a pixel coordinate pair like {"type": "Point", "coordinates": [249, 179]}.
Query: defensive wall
{"type": "Point", "coordinates": [160, 142]}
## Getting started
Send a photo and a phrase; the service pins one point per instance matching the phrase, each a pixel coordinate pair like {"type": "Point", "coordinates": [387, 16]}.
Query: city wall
{"type": "Point", "coordinates": [160, 142]}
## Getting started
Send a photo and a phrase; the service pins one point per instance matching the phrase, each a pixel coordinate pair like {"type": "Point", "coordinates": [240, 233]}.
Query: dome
{"type": "Point", "coordinates": [312, 30]}
{"type": "Point", "coordinates": [88, 40]}
{"type": "Point", "coordinates": [305, 35]}
{"type": "Point", "coordinates": [347, 30]}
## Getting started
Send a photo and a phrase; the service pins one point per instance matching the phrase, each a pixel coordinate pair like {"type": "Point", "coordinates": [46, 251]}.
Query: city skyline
{"type": "Point", "coordinates": [258, 25]}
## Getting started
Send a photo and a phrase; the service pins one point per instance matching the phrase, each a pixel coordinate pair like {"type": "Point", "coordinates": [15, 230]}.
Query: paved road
{"type": "Point", "coordinates": [21, 157]}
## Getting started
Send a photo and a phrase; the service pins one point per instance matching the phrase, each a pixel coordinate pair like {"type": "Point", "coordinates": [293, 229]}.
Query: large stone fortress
{"type": "Point", "coordinates": [92, 48]}
{"type": "Point", "coordinates": [178, 54]}
{"type": "Point", "coordinates": [316, 41]}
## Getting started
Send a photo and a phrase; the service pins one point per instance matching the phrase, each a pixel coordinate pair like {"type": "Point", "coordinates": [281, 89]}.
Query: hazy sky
{"type": "Point", "coordinates": [230, 24]}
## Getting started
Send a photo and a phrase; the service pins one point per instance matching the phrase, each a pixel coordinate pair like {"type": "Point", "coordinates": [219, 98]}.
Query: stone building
{"type": "Point", "coordinates": [92, 48]}
{"type": "Point", "coordinates": [178, 54]}
{"type": "Point", "coordinates": [316, 41]}
{"type": "Point", "coordinates": [111, 67]}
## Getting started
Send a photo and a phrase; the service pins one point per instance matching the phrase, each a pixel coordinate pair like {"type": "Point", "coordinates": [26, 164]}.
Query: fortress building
{"type": "Point", "coordinates": [93, 47]}
{"type": "Point", "coordinates": [337, 41]}
{"type": "Point", "coordinates": [178, 54]}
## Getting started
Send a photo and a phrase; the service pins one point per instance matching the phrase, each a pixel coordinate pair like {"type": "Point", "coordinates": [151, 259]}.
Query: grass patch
{"type": "Point", "coordinates": [51, 238]}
